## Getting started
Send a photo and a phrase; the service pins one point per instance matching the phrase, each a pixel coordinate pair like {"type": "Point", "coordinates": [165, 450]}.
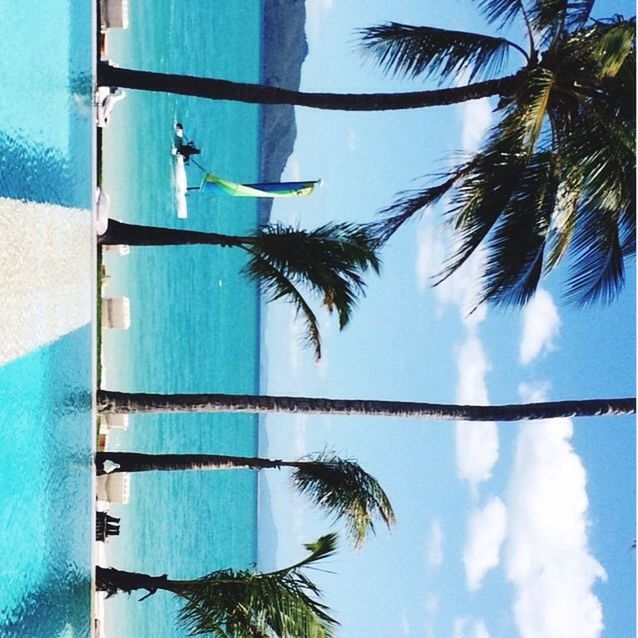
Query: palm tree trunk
{"type": "Point", "coordinates": [138, 462]}
{"type": "Point", "coordinates": [136, 235]}
{"type": "Point", "coordinates": [123, 402]}
{"type": "Point", "coordinates": [113, 580]}
{"type": "Point", "coordinates": [261, 94]}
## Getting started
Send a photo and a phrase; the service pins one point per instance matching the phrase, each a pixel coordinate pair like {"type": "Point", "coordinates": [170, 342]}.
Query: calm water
{"type": "Point", "coordinates": [46, 277]}
{"type": "Point", "coordinates": [195, 318]}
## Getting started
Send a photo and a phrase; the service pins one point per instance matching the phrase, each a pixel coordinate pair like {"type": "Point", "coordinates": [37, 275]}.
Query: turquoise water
{"type": "Point", "coordinates": [45, 394]}
{"type": "Point", "coordinates": [45, 482]}
{"type": "Point", "coordinates": [195, 318]}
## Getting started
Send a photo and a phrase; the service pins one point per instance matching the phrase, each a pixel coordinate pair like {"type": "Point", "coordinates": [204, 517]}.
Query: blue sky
{"type": "Point", "coordinates": [502, 530]}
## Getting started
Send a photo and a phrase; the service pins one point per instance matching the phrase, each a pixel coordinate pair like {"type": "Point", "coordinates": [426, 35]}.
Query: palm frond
{"type": "Point", "coordinates": [495, 173]}
{"type": "Point", "coordinates": [514, 261]}
{"type": "Point", "coordinates": [401, 49]}
{"type": "Point", "coordinates": [564, 215]}
{"type": "Point", "coordinates": [552, 19]}
{"type": "Point", "coordinates": [329, 260]}
{"type": "Point", "coordinates": [597, 272]}
{"type": "Point", "coordinates": [286, 603]}
{"type": "Point", "coordinates": [344, 490]}
{"type": "Point", "coordinates": [612, 46]}
{"type": "Point", "coordinates": [275, 285]}
{"type": "Point", "coordinates": [502, 12]}
{"type": "Point", "coordinates": [409, 204]}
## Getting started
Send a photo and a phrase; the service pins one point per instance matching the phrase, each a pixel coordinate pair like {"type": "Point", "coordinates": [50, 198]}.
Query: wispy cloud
{"type": "Point", "coordinates": [434, 545]}
{"type": "Point", "coordinates": [541, 323]}
{"type": "Point", "coordinates": [430, 254]}
{"type": "Point", "coordinates": [462, 289]}
{"type": "Point", "coordinates": [431, 606]}
{"type": "Point", "coordinates": [352, 142]}
{"type": "Point", "coordinates": [476, 444]}
{"type": "Point", "coordinates": [476, 116]}
{"type": "Point", "coordinates": [547, 556]}
{"type": "Point", "coordinates": [486, 532]}
{"type": "Point", "coordinates": [469, 628]}
{"type": "Point", "coordinates": [316, 12]}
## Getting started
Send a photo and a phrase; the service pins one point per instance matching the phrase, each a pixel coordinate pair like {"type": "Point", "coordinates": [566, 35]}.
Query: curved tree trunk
{"type": "Point", "coordinates": [137, 235]}
{"type": "Point", "coordinates": [262, 94]}
{"type": "Point", "coordinates": [138, 462]}
{"type": "Point", "coordinates": [113, 580]}
{"type": "Point", "coordinates": [124, 402]}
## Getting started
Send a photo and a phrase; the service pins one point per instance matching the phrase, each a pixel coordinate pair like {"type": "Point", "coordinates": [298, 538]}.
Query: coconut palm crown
{"type": "Point", "coordinates": [329, 261]}
{"type": "Point", "coordinates": [555, 175]}
{"type": "Point", "coordinates": [241, 603]}
{"type": "Point", "coordinates": [339, 487]}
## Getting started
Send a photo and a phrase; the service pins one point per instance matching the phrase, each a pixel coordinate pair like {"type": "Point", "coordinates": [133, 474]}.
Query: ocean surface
{"type": "Point", "coordinates": [46, 292]}
{"type": "Point", "coordinates": [194, 315]}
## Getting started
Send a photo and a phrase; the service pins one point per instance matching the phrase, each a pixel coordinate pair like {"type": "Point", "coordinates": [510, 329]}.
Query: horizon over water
{"type": "Point", "coordinates": [194, 316]}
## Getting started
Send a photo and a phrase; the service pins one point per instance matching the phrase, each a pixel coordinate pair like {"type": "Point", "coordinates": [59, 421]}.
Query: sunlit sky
{"type": "Point", "coordinates": [502, 530]}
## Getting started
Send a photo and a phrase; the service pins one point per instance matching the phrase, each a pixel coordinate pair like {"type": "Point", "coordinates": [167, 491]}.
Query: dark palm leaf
{"type": "Point", "coordinates": [553, 18]}
{"type": "Point", "coordinates": [402, 49]}
{"type": "Point", "coordinates": [409, 204]}
{"type": "Point", "coordinates": [514, 261]}
{"type": "Point", "coordinates": [237, 604]}
{"type": "Point", "coordinates": [275, 285]}
{"type": "Point", "coordinates": [345, 490]}
{"type": "Point", "coordinates": [495, 174]}
{"type": "Point", "coordinates": [329, 261]}
{"type": "Point", "coordinates": [502, 12]}
{"type": "Point", "coordinates": [597, 272]}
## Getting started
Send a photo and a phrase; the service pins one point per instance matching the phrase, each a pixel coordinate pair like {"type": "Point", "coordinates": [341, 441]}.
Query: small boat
{"type": "Point", "coordinates": [180, 181]}
{"type": "Point", "coordinates": [181, 148]}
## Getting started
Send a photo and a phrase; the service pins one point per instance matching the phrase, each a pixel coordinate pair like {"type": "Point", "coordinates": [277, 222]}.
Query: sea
{"type": "Point", "coordinates": [195, 317]}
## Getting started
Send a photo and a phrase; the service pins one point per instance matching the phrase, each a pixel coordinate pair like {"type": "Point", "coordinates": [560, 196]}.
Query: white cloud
{"type": "Point", "coordinates": [405, 623]}
{"type": "Point", "coordinates": [469, 628]}
{"type": "Point", "coordinates": [351, 140]}
{"type": "Point", "coordinates": [292, 170]}
{"type": "Point", "coordinates": [486, 532]}
{"type": "Point", "coordinates": [472, 367]}
{"type": "Point", "coordinates": [541, 323]}
{"type": "Point", "coordinates": [476, 443]}
{"type": "Point", "coordinates": [430, 254]}
{"type": "Point", "coordinates": [434, 545]}
{"type": "Point", "coordinates": [316, 12]}
{"type": "Point", "coordinates": [462, 289]}
{"type": "Point", "coordinates": [547, 556]}
{"type": "Point", "coordinates": [534, 391]}
{"type": "Point", "coordinates": [299, 437]}
{"type": "Point", "coordinates": [432, 604]}
{"type": "Point", "coordinates": [476, 116]}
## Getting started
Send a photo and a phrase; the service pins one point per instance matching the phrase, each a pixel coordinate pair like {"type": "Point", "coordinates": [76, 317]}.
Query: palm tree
{"type": "Point", "coordinates": [239, 603]}
{"type": "Point", "coordinates": [138, 402]}
{"type": "Point", "coordinates": [328, 260]}
{"type": "Point", "coordinates": [217, 89]}
{"type": "Point", "coordinates": [339, 486]}
{"type": "Point", "coordinates": [556, 174]}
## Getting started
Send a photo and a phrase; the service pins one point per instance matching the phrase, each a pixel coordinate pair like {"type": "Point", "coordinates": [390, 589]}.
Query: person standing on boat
{"type": "Point", "coordinates": [188, 149]}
